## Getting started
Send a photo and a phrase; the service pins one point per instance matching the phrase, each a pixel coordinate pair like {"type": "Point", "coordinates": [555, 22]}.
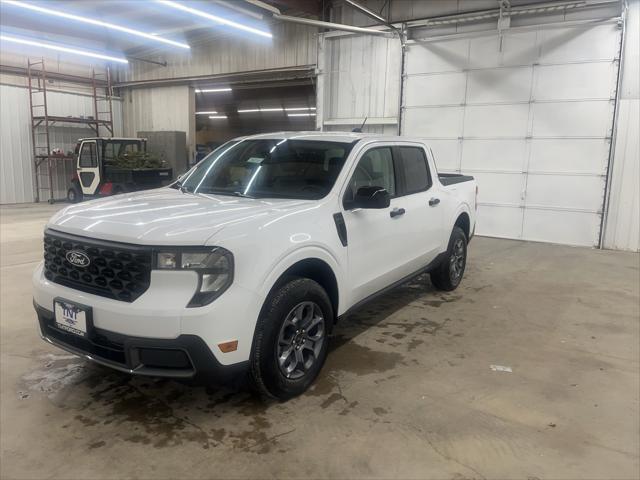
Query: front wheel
{"type": "Point", "coordinates": [448, 275]}
{"type": "Point", "coordinates": [290, 344]}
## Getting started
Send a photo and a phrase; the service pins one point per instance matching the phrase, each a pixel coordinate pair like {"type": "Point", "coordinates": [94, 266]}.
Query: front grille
{"type": "Point", "coordinates": [115, 270]}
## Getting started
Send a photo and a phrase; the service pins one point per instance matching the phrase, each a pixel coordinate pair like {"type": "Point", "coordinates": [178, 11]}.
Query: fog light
{"type": "Point", "coordinates": [167, 260]}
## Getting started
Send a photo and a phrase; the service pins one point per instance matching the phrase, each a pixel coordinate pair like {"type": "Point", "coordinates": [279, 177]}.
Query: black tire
{"type": "Point", "coordinates": [74, 195]}
{"type": "Point", "coordinates": [267, 374]}
{"type": "Point", "coordinates": [448, 275]}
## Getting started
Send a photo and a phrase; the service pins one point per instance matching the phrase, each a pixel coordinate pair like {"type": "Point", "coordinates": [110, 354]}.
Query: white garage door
{"type": "Point", "coordinates": [532, 123]}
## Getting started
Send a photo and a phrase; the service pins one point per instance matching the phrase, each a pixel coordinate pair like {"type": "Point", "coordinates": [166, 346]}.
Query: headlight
{"type": "Point", "coordinates": [214, 267]}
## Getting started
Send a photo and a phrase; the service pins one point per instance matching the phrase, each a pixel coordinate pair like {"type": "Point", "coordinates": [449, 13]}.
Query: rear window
{"type": "Point", "coordinates": [415, 170]}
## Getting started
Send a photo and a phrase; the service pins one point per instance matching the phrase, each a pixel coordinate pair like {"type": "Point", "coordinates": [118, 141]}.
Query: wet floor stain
{"type": "Point", "coordinates": [160, 413]}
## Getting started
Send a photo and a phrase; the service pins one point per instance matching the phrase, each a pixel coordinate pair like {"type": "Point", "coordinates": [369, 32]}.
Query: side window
{"type": "Point", "coordinates": [88, 155]}
{"type": "Point", "coordinates": [375, 169]}
{"type": "Point", "coordinates": [415, 170]}
{"type": "Point", "coordinates": [109, 153]}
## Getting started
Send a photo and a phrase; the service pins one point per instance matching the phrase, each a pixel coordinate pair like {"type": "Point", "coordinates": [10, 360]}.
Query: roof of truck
{"type": "Point", "coordinates": [110, 138]}
{"type": "Point", "coordinates": [346, 137]}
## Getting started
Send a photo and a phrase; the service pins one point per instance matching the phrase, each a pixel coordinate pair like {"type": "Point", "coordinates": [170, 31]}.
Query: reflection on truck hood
{"type": "Point", "coordinates": [166, 216]}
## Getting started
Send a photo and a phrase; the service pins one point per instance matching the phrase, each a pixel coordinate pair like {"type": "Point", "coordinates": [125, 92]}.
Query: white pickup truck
{"type": "Point", "coordinates": [244, 265]}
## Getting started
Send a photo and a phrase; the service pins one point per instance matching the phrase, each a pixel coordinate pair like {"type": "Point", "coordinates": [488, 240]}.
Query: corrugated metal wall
{"type": "Point", "coordinates": [292, 45]}
{"type": "Point", "coordinates": [622, 229]}
{"type": "Point", "coordinates": [16, 164]}
{"type": "Point", "coordinates": [350, 91]}
{"type": "Point", "coordinates": [160, 109]}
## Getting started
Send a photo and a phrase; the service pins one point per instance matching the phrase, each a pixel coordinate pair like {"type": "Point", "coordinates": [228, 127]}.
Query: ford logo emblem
{"type": "Point", "coordinates": [78, 258]}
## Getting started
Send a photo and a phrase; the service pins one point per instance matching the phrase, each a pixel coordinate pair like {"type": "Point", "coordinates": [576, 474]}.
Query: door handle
{"type": "Point", "coordinates": [434, 201]}
{"type": "Point", "coordinates": [396, 212]}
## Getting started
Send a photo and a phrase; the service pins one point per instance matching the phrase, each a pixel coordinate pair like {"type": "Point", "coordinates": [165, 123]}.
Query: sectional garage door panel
{"type": "Point", "coordinates": [499, 221]}
{"type": "Point", "coordinates": [530, 118]}
{"type": "Point", "coordinates": [447, 89]}
{"type": "Point", "coordinates": [579, 156]}
{"type": "Point", "coordinates": [449, 153]}
{"type": "Point", "coordinates": [436, 122]}
{"type": "Point", "coordinates": [480, 155]}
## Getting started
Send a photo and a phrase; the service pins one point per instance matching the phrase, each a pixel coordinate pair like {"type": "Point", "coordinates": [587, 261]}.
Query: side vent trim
{"type": "Point", "coordinates": [341, 227]}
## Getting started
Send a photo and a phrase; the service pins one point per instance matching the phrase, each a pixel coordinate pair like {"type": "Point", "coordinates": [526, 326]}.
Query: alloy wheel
{"type": "Point", "coordinates": [456, 261]}
{"type": "Point", "coordinates": [301, 339]}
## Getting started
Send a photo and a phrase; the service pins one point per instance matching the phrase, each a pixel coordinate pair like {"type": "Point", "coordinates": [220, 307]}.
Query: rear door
{"type": "Point", "coordinates": [88, 167]}
{"type": "Point", "coordinates": [422, 202]}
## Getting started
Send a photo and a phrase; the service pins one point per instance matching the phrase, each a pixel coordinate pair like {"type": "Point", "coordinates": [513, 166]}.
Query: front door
{"type": "Point", "coordinates": [88, 168]}
{"type": "Point", "coordinates": [375, 236]}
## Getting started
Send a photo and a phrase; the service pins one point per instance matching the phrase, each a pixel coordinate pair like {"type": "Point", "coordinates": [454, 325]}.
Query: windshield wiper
{"type": "Point", "coordinates": [229, 193]}
{"type": "Point", "coordinates": [241, 194]}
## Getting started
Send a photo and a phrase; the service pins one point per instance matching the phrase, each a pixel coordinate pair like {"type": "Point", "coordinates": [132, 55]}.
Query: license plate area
{"type": "Point", "coordinates": [73, 318]}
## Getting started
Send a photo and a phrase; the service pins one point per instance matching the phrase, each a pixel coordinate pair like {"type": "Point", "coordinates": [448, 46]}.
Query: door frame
{"type": "Point", "coordinates": [93, 186]}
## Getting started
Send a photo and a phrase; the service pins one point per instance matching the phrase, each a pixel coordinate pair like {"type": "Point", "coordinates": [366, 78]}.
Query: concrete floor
{"type": "Point", "coordinates": [407, 391]}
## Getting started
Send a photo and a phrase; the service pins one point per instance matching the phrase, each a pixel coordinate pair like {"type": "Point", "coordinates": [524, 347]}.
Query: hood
{"type": "Point", "coordinates": [164, 216]}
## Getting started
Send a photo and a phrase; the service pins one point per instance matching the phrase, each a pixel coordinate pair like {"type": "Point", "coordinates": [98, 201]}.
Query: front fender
{"type": "Point", "coordinates": [286, 261]}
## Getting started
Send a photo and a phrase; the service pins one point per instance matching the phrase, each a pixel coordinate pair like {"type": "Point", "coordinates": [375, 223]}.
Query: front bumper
{"type": "Point", "coordinates": [186, 356]}
{"type": "Point", "coordinates": [160, 313]}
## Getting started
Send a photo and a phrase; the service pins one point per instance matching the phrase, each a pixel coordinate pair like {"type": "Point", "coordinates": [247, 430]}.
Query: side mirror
{"type": "Point", "coordinates": [371, 197]}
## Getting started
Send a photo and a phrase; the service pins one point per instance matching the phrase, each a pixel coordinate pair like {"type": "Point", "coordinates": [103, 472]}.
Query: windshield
{"type": "Point", "coordinates": [270, 168]}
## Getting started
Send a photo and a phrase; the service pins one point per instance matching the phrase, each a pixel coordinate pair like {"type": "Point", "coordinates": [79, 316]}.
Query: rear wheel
{"type": "Point", "coordinates": [290, 344]}
{"type": "Point", "coordinates": [74, 195]}
{"type": "Point", "coordinates": [448, 275]}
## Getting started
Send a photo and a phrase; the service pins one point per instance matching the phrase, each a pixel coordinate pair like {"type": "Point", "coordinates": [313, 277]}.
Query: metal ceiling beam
{"type": "Point", "coordinates": [63, 77]}
{"type": "Point", "coordinates": [369, 13]}
{"type": "Point", "coordinates": [332, 26]}
{"type": "Point", "coordinates": [530, 9]}
{"type": "Point", "coordinates": [267, 75]}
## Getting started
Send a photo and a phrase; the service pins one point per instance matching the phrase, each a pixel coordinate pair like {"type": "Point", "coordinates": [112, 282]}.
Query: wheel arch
{"type": "Point", "coordinates": [462, 218]}
{"type": "Point", "coordinates": [464, 222]}
{"type": "Point", "coordinates": [317, 270]}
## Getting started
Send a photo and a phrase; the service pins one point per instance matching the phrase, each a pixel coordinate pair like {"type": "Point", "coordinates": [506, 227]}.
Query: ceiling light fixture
{"type": "Point", "coordinates": [207, 113]}
{"type": "Point", "coordinates": [70, 16]}
{"type": "Point", "coordinates": [299, 109]}
{"type": "Point", "coordinates": [216, 117]}
{"type": "Point", "coordinates": [212, 90]}
{"type": "Point", "coordinates": [215, 18]}
{"type": "Point", "coordinates": [60, 48]}
{"type": "Point", "coordinates": [301, 114]}
{"type": "Point", "coordinates": [254, 110]}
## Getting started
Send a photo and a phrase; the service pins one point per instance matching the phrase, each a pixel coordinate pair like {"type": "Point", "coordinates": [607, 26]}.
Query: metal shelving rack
{"type": "Point", "coordinates": [46, 164]}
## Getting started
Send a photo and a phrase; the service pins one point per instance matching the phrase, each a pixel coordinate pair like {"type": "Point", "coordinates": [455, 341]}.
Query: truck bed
{"type": "Point", "coordinates": [453, 178]}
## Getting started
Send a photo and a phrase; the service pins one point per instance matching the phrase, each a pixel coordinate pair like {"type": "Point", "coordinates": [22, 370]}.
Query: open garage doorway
{"type": "Point", "coordinates": [226, 112]}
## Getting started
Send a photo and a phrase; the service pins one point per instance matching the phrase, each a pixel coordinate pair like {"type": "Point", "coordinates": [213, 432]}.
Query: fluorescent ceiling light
{"type": "Point", "coordinates": [298, 109]}
{"type": "Point", "coordinates": [57, 13]}
{"type": "Point", "coordinates": [207, 113]}
{"type": "Point", "coordinates": [214, 117]}
{"type": "Point", "coordinates": [60, 48]}
{"type": "Point", "coordinates": [210, 90]}
{"type": "Point", "coordinates": [215, 18]}
{"type": "Point", "coordinates": [301, 114]}
{"type": "Point", "coordinates": [254, 110]}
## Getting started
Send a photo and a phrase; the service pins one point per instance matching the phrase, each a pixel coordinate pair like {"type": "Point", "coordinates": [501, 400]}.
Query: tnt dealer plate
{"type": "Point", "coordinates": [71, 318]}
